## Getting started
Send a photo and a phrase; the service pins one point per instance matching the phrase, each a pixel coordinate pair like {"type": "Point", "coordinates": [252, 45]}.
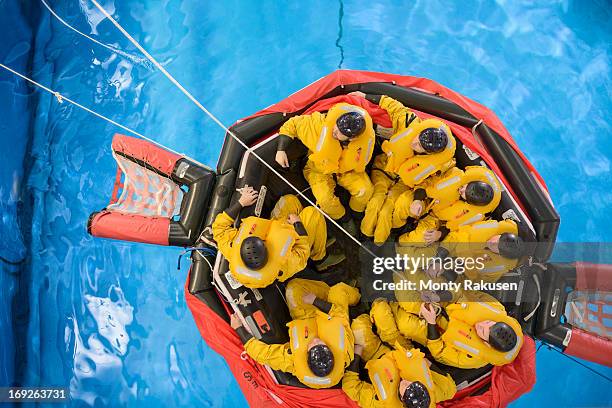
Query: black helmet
{"type": "Point", "coordinates": [510, 246]}
{"type": "Point", "coordinates": [478, 193]}
{"type": "Point", "coordinates": [416, 396]}
{"type": "Point", "coordinates": [320, 360]}
{"type": "Point", "coordinates": [502, 337]}
{"type": "Point", "coordinates": [433, 140]}
{"type": "Point", "coordinates": [254, 253]}
{"type": "Point", "coordinates": [351, 124]}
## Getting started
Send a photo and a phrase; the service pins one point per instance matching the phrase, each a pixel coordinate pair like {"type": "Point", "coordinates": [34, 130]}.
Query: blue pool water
{"type": "Point", "coordinates": [108, 319]}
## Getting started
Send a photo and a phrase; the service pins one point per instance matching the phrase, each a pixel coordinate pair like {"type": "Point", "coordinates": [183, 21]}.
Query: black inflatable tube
{"type": "Point", "coordinates": [422, 101]}
{"type": "Point", "coordinates": [248, 131]}
{"type": "Point", "coordinates": [555, 335]}
{"type": "Point", "coordinates": [543, 215]}
{"type": "Point", "coordinates": [200, 182]}
{"type": "Point", "coordinates": [548, 326]}
{"type": "Point", "coordinates": [221, 196]}
{"type": "Point", "coordinates": [200, 281]}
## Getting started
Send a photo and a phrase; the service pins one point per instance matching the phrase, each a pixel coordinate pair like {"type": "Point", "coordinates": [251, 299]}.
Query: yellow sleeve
{"type": "Point", "coordinates": [398, 113]}
{"type": "Point", "coordinates": [224, 233]}
{"type": "Point", "coordinates": [277, 356]}
{"type": "Point", "coordinates": [445, 387]}
{"type": "Point", "coordinates": [451, 356]}
{"type": "Point", "coordinates": [340, 311]}
{"type": "Point", "coordinates": [290, 127]}
{"type": "Point", "coordinates": [341, 296]}
{"type": "Point", "coordinates": [297, 259]}
{"type": "Point", "coordinates": [298, 125]}
{"type": "Point", "coordinates": [306, 128]}
{"type": "Point", "coordinates": [361, 392]}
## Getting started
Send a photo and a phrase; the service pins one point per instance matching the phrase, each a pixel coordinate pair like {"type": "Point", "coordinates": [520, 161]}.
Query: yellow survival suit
{"type": "Point", "coordinates": [332, 327]}
{"type": "Point", "coordinates": [400, 322]}
{"type": "Point", "coordinates": [414, 168]}
{"type": "Point", "coordinates": [470, 241]}
{"type": "Point", "coordinates": [386, 368]}
{"type": "Point", "coordinates": [288, 252]}
{"type": "Point", "coordinates": [445, 204]}
{"type": "Point", "coordinates": [460, 346]}
{"type": "Point", "coordinates": [398, 157]}
{"type": "Point", "coordinates": [327, 157]}
{"type": "Point", "coordinates": [379, 211]}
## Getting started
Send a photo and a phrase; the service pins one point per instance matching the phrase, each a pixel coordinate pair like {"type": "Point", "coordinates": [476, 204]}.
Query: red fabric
{"type": "Point", "coordinates": [118, 185]}
{"type": "Point", "coordinates": [144, 192]}
{"type": "Point", "coordinates": [507, 382]}
{"type": "Point", "coordinates": [130, 227]}
{"type": "Point", "coordinates": [591, 276]}
{"type": "Point", "coordinates": [590, 347]}
{"type": "Point", "coordinates": [148, 152]}
{"type": "Point", "coordinates": [318, 89]}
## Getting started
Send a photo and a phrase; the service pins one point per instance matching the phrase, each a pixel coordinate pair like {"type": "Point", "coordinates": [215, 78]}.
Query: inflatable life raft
{"type": "Point", "coordinates": [166, 199]}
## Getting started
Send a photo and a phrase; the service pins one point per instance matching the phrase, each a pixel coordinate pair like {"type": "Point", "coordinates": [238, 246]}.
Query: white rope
{"type": "Point", "coordinates": [124, 54]}
{"type": "Point", "coordinates": [218, 122]}
{"type": "Point", "coordinates": [476, 136]}
{"type": "Point", "coordinates": [61, 98]}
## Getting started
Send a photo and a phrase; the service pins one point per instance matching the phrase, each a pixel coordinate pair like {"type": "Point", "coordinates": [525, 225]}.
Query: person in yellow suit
{"type": "Point", "coordinates": [416, 149]}
{"type": "Point", "coordinates": [451, 200]}
{"type": "Point", "coordinates": [478, 333]}
{"type": "Point", "coordinates": [340, 145]}
{"type": "Point", "coordinates": [401, 322]}
{"type": "Point", "coordinates": [428, 151]}
{"type": "Point", "coordinates": [398, 378]}
{"type": "Point", "coordinates": [260, 250]}
{"type": "Point", "coordinates": [498, 244]}
{"type": "Point", "coordinates": [321, 343]}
